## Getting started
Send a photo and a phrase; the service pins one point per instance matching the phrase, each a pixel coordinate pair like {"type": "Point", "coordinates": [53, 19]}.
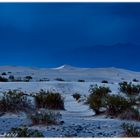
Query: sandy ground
{"type": "Point", "coordinates": [79, 120]}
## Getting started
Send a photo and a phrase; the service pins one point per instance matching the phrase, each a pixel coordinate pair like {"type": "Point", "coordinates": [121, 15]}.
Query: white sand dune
{"type": "Point", "coordinates": [70, 73]}
{"type": "Point", "coordinates": [79, 119]}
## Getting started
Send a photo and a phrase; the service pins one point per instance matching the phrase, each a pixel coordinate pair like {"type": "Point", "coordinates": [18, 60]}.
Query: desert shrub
{"type": "Point", "coordinates": [129, 88]}
{"type": "Point", "coordinates": [130, 114]}
{"type": "Point", "coordinates": [80, 80]}
{"type": "Point", "coordinates": [130, 130]}
{"type": "Point", "coordinates": [23, 132]}
{"type": "Point", "coordinates": [95, 103]}
{"type": "Point", "coordinates": [3, 79]}
{"type": "Point", "coordinates": [104, 81]}
{"type": "Point", "coordinates": [132, 100]}
{"type": "Point", "coordinates": [45, 117]}
{"type": "Point", "coordinates": [76, 96]}
{"type": "Point", "coordinates": [99, 90]}
{"type": "Point", "coordinates": [9, 72]}
{"type": "Point", "coordinates": [97, 97]}
{"type": "Point", "coordinates": [13, 101]}
{"type": "Point", "coordinates": [59, 79]}
{"type": "Point", "coordinates": [135, 80]}
{"type": "Point", "coordinates": [11, 78]}
{"type": "Point", "coordinates": [138, 100]}
{"type": "Point", "coordinates": [49, 100]}
{"type": "Point", "coordinates": [4, 73]}
{"type": "Point", "coordinates": [116, 105]}
{"type": "Point", "coordinates": [27, 78]}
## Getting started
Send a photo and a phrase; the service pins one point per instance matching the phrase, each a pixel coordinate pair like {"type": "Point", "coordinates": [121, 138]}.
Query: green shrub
{"type": "Point", "coordinates": [116, 105]}
{"type": "Point", "coordinates": [104, 81]}
{"type": "Point", "coordinates": [76, 96]}
{"type": "Point", "coordinates": [129, 88]}
{"type": "Point", "coordinates": [4, 73]}
{"type": "Point", "coordinates": [24, 132]}
{"type": "Point", "coordinates": [99, 90]}
{"type": "Point", "coordinates": [9, 72]}
{"type": "Point", "coordinates": [81, 80]}
{"type": "Point", "coordinates": [59, 79]}
{"type": "Point", "coordinates": [97, 96]}
{"type": "Point", "coordinates": [3, 79]}
{"type": "Point", "coordinates": [11, 77]}
{"type": "Point", "coordinates": [45, 117]}
{"type": "Point", "coordinates": [28, 78]}
{"type": "Point", "coordinates": [49, 100]}
{"type": "Point", "coordinates": [135, 80]}
{"type": "Point", "coordinates": [13, 101]}
{"type": "Point", "coordinates": [95, 103]}
{"type": "Point", "coordinates": [130, 130]}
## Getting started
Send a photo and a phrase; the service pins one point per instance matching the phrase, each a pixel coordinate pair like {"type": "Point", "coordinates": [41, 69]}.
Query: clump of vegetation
{"type": "Point", "coordinates": [59, 79]}
{"type": "Point", "coordinates": [104, 81]}
{"type": "Point", "coordinates": [130, 114]}
{"type": "Point", "coordinates": [23, 132]}
{"type": "Point", "coordinates": [3, 79]}
{"type": "Point", "coordinates": [4, 73]}
{"type": "Point", "coordinates": [49, 100]}
{"type": "Point", "coordinates": [80, 80]}
{"type": "Point", "coordinates": [116, 105]}
{"type": "Point", "coordinates": [9, 72]}
{"type": "Point", "coordinates": [138, 100]}
{"type": "Point", "coordinates": [95, 103]}
{"type": "Point", "coordinates": [130, 130]}
{"type": "Point", "coordinates": [11, 78]}
{"type": "Point", "coordinates": [124, 107]}
{"type": "Point", "coordinates": [76, 96]}
{"type": "Point", "coordinates": [135, 80]}
{"type": "Point", "coordinates": [129, 88]}
{"type": "Point", "coordinates": [133, 100]}
{"type": "Point", "coordinates": [99, 90]}
{"type": "Point", "coordinates": [13, 101]}
{"type": "Point", "coordinates": [28, 78]}
{"type": "Point", "coordinates": [97, 96]}
{"type": "Point", "coordinates": [45, 117]}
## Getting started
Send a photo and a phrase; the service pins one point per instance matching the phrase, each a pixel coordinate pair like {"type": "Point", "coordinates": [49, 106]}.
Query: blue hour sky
{"type": "Point", "coordinates": [78, 34]}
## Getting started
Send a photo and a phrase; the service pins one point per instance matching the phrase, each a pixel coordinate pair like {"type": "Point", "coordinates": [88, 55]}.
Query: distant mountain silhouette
{"type": "Point", "coordinates": [119, 55]}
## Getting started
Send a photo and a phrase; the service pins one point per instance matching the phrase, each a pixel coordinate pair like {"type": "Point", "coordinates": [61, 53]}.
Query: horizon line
{"type": "Point", "coordinates": [67, 65]}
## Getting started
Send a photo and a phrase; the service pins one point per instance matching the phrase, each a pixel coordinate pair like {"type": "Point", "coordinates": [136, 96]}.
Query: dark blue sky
{"type": "Point", "coordinates": [79, 34]}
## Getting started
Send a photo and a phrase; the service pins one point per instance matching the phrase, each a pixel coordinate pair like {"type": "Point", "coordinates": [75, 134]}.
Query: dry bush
{"type": "Point", "coordinates": [116, 105]}
{"type": "Point", "coordinates": [130, 130]}
{"type": "Point", "coordinates": [45, 117]}
{"type": "Point", "coordinates": [14, 101]}
{"type": "Point", "coordinates": [76, 96]}
{"type": "Point", "coordinates": [129, 88]}
{"type": "Point", "coordinates": [49, 100]}
{"type": "Point", "coordinates": [97, 96]}
{"type": "Point", "coordinates": [23, 132]}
